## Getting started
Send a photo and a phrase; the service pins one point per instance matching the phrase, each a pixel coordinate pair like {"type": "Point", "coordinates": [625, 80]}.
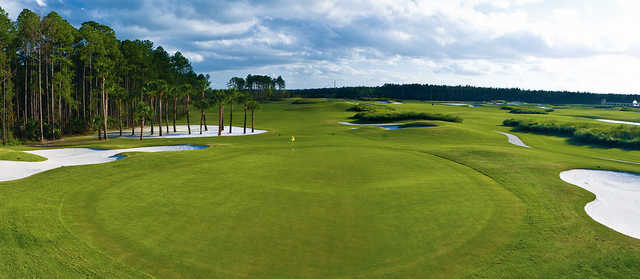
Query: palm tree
{"type": "Point", "coordinates": [119, 93]}
{"type": "Point", "coordinates": [156, 90]}
{"type": "Point", "coordinates": [97, 120]}
{"type": "Point", "coordinates": [185, 90]}
{"type": "Point", "coordinates": [252, 106]}
{"type": "Point", "coordinates": [243, 99]}
{"type": "Point", "coordinates": [177, 92]}
{"type": "Point", "coordinates": [161, 90]}
{"type": "Point", "coordinates": [149, 89]}
{"type": "Point", "coordinates": [232, 97]}
{"type": "Point", "coordinates": [203, 104]}
{"type": "Point", "coordinates": [143, 111]}
{"type": "Point", "coordinates": [220, 98]}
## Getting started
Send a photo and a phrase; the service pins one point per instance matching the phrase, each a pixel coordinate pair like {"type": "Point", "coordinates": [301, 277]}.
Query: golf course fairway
{"type": "Point", "coordinates": [456, 200]}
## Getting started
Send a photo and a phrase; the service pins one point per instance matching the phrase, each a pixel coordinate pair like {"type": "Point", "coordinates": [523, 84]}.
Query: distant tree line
{"type": "Point", "coordinates": [463, 93]}
{"type": "Point", "coordinates": [56, 79]}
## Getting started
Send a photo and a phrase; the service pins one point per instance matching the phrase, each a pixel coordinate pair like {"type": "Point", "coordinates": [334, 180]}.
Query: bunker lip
{"type": "Point", "coordinates": [513, 139]}
{"type": "Point", "coordinates": [376, 124]}
{"type": "Point", "coordinates": [400, 127]}
{"type": "Point", "coordinates": [182, 131]}
{"type": "Point", "coordinates": [619, 122]}
{"type": "Point", "coordinates": [617, 202]}
{"type": "Point", "coordinates": [56, 158]}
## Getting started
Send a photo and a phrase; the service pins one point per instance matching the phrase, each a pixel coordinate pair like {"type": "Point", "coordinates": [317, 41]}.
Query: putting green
{"type": "Point", "coordinates": [317, 213]}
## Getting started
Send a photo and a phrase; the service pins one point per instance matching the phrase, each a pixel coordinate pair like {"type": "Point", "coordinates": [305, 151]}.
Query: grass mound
{"type": "Point", "coordinates": [618, 136]}
{"type": "Point", "coordinates": [521, 110]}
{"type": "Point", "coordinates": [12, 155]}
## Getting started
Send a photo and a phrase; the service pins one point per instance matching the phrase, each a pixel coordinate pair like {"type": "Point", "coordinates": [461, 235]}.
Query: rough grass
{"type": "Point", "coordinates": [455, 201]}
{"type": "Point", "coordinates": [13, 155]}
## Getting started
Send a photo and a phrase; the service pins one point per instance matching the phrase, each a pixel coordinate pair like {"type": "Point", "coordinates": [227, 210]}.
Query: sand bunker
{"type": "Point", "coordinates": [513, 139]}
{"type": "Point", "coordinates": [619, 122]}
{"type": "Point", "coordinates": [617, 203]}
{"type": "Point", "coordinates": [183, 132]}
{"type": "Point", "coordinates": [12, 170]}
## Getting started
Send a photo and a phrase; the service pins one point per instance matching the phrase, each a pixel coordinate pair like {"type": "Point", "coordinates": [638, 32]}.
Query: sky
{"type": "Point", "coordinates": [574, 45]}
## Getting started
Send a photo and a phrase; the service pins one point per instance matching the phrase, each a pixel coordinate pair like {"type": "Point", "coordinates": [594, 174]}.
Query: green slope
{"type": "Point", "coordinates": [450, 201]}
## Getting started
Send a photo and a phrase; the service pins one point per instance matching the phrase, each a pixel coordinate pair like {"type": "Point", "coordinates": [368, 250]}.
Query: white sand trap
{"type": "Point", "coordinates": [617, 203]}
{"type": "Point", "coordinates": [513, 139]}
{"type": "Point", "coordinates": [619, 122]}
{"type": "Point", "coordinates": [12, 170]}
{"type": "Point", "coordinates": [355, 124]}
{"type": "Point", "coordinates": [183, 132]}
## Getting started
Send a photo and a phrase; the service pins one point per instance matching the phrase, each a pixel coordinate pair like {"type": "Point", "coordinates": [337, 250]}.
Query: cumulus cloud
{"type": "Point", "coordinates": [521, 43]}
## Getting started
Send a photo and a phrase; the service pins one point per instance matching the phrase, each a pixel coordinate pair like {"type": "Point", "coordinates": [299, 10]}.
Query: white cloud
{"type": "Point", "coordinates": [572, 44]}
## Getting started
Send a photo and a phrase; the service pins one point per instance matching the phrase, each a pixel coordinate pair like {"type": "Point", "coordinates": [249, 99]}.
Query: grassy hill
{"type": "Point", "coordinates": [451, 201]}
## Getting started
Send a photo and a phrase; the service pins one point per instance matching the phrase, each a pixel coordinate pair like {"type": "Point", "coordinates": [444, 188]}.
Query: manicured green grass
{"type": "Point", "coordinates": [14, 155]}
{"type": "Point", "coordinates": [452, 201]}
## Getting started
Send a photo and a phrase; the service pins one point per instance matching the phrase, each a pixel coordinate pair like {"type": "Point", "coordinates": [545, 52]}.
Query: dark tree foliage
{"type": "Point", "coordinates": [57, 80]}
{"type": "Point", "coordinates": [463, 93]}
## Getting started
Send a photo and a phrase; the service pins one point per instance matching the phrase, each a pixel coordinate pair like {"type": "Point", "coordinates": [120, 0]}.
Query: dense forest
{"type": "Point", "coordinates": [57, 79]}
{"type": "Point", "coordinates": [463, 93]}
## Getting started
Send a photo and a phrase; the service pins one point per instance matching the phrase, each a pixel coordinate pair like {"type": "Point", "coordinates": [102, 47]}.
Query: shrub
{"type": "Point", "coordinates": [78, 126]}
{"type": "Point", "coordinates": [369, 107]}
{"type": "Point", "coordinates": [528, 111]}
{"type": "Point", "coordinates": [306, 101]}
{"type": "Point", "coordinates": [389, 116]}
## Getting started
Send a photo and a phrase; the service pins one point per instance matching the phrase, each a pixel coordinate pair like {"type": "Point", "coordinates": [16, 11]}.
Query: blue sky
{"type": "Point", "coordinates": [558, 45]}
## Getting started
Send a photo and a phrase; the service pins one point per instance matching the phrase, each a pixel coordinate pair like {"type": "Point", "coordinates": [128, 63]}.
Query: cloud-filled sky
{"type": "Point", "coordinates": [575, 45]}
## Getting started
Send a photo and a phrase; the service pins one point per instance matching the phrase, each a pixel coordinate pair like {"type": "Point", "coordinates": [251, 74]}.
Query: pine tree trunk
{"type": "Point", "coordinates": [26, 90]}
{"type": "Point", "coordinates": [175, 107]}
{"type": "Point", "coordinates": [188, 117]}
{"type": "Point", "coordinates": [201, 121]}
{"type": "Point", "coordinates": [133, 124]}
{"type": "Point", "coordinates": [141, 128]}
{"type": "Point", "coordinates": [166, 116]}
{"type": "Point", "coordinates": [4, 109]}
{"type": "Point", "coordinates": [230, 117]}
{"type": "Point", "coordinates": [252, 121]}
{"type": "Point", "coordinates": [60, 100]}
{"type": "Point", "coordinates": [151, 118]}
{"type": "Point", "coordinates": [90, 87]}
{"type": "Point", "coordinates": [204, 117]}
{"type": "Point", "coordinates": [105, 115]}
{"type": "Point", "coordinates": [53, 103]}
{"type": "Point", "coordinates": [245, 120]}
{"type": "Point", "coordinates": [160, 114]}
{"type": "Point", "coordinates": [120, 115]}
{"type": "Point", "coordinates": [46, 89]}
{"type": "Point", "coordinates": [40, 93]}
{"type": "Point", "coordinates": [220, 120]}
{"type": "Point", "coordinates": [84, 102]}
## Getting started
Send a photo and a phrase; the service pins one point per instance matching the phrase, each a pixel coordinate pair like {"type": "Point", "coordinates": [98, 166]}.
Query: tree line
{"type": "Point", "coordinates": [57, 79]}
{"type": "Point", "coordinates": [463, 93]}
